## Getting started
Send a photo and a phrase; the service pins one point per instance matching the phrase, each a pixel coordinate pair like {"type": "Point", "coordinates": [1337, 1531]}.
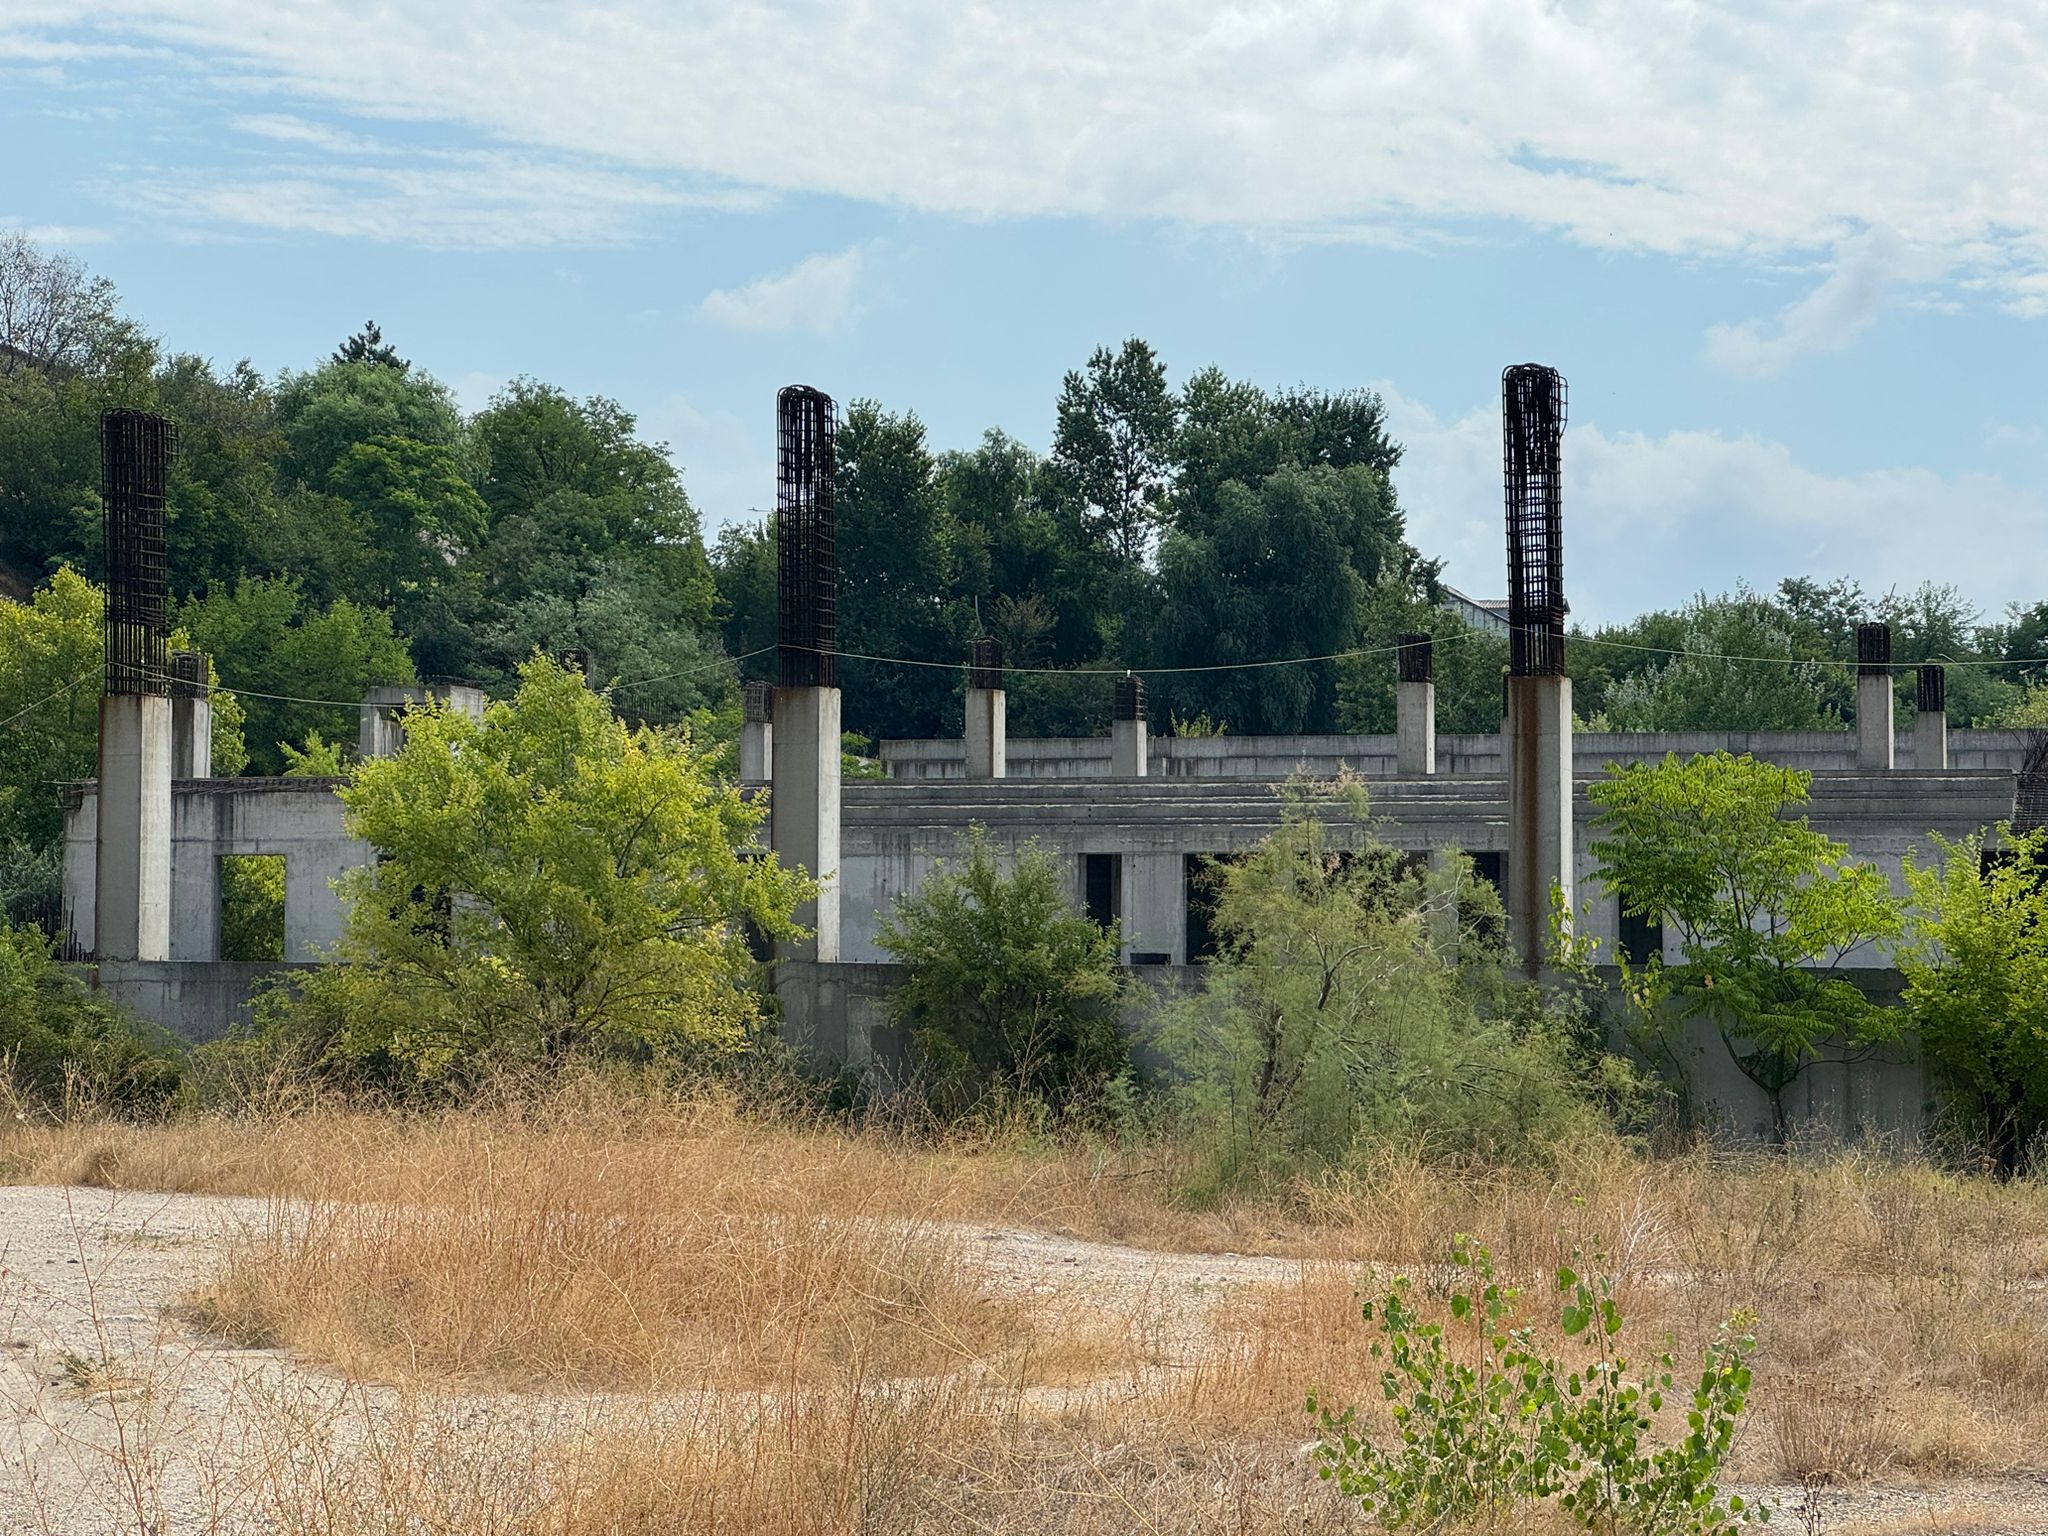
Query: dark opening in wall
{"type": "Point", "coordinates": [1199, 874]}
{"type": "Point", "coordinates": [252, 906]}
{"type": "Point", "coordinates": [1641, 937]}
{"type": "Point", "coordinates": [1102, 887]}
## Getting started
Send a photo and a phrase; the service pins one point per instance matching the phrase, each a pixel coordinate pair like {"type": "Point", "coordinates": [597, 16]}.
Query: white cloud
{"type": "Point", "coordinates": [1669, 125]}
{"type": "Point", "coordinates": [1866, 269]}
{"type": "Point", "coordinates": [447, 200]}
{"type": "Point", "coordinates": [1634, 506]}
{"type": "Point", "coordinates": [55, 235]}
{"type": "Point", "coordinates": [819, 294]}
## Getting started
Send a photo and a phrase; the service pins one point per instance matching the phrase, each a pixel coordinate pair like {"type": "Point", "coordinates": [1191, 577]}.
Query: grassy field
{"type": "Point", "coordinates": [769, 1324]}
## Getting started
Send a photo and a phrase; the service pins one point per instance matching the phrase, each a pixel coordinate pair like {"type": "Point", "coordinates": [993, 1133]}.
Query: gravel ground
{"type": "Point", "coordinates": [117, 1417]}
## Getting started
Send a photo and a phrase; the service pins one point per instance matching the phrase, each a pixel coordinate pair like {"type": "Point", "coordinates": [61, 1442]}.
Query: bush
{"type": "Point", "coordinates": [1503, 1425]}
{"type": "Point", "coordinates": [1358, 995]}
{"type": "Point", "coordinates": [1012, 992]}
{"type": "Point", "coordinates": [1975, 961]}
{"type": "Point", "coordinates": [63, 1048]}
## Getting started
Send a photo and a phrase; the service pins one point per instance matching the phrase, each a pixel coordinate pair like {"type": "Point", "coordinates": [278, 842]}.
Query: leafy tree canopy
{"type": "Point", "coordinates": [552, 880]}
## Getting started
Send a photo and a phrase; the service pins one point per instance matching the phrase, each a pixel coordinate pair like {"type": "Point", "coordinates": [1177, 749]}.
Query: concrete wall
{"type": "Point", "coordinates": [838, 1017]}
{"type": "Point", "coordinates": [298, 819]}
{"type": "Point", "coordinates": [1276, 757]}
{"type": "Point", "coordinates": [894, 833]}
{"type": "Point", "coordinates": [197, 1003]}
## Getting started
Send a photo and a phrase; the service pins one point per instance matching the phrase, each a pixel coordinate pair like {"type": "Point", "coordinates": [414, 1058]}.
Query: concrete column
{"type": "Point", "coordinates": [1930, 722]}
{"type": "Point", "coordinates": [378, 733]}
{"type": "Point", "coordinates": [1127, 736]}
{"type": "Point", "coordinates": [987, 711]}
{"type": "Point", "coordinates": [1415, 708]}
{"type": "Point", "coordinates": [132, 853]}
{"type": "Point", "coordinates": [1874, 747]}
{"type": "Point", "coordinates": [191, 716]}
{"type": "Point", "coordinates": [804, 814]}
{"type": "Point", "coordinates": [1540, 852]}
{"type": "Point", "coordinates": [757, 734]}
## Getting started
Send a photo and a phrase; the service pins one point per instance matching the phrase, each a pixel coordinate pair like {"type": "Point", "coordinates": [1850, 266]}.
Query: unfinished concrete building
{"type": "Point", "coordinates": [1134, 818]}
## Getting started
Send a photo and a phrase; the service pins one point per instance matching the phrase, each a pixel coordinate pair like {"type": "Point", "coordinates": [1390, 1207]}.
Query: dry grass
{"type": "Point", "coordinates": [799, 1337]}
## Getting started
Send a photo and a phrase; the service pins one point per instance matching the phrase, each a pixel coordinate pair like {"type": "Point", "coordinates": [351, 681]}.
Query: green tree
{"type": "Point", "coordinates": [1767, 910]}
{"type": "Point", "coordinates": [52, 652]}
{"type": "Point", "coordinates": [61, 1047]}
{"type": "Point", "coordinates": [1771, 685]}
{"type": "Point", "coordinates": [1012, 991]}
{"type": "Point", "coordinates": [550, 880]}
{"type": "Point", "coordinates": [266, 640]}
{"type": "Point", "coordinates": [325, 413]}
{"type": "Point", "coordinates": [423, 520]}
{"type": "Point", "coordinates": [1278, 569]}
{"type": "Point", "coordinates": [1975, 958]}
{"type": "Point", "coordinates": [1113, 443]}
{"type": "Point", "coordinates": [897, 562]}
{"type": "Point", "coordinates": [369, 346]}
{"type": "Point", "coordinates": [66, 354]}
{"type": "Point", "coordinates": [1357, 997]}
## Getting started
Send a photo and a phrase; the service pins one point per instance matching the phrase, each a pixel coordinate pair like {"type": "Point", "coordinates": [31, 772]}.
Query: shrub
{"type": "Point", "coordinates": [62, 1046]}
{"type": "Point", "coordinates": [1012, 991]}
{"type": "Point", "coordinates": [1500, 1423]}
{"type": "Point", "coordinates": [1975, 960]}
{"type": "Point", "coordinates": [1357, 996]}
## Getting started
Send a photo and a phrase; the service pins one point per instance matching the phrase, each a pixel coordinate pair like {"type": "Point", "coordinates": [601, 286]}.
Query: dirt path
{"type": "Point", "coordinates": [117, 1417]}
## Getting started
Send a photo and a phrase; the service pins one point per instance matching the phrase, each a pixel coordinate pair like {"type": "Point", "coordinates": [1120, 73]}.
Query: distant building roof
{"type": "Point", "coordinates": [1489, 614]}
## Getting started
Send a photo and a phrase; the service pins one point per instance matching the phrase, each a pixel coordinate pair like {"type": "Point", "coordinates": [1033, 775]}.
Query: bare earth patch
{"type": "Point", "coordinates": [119, 1414]}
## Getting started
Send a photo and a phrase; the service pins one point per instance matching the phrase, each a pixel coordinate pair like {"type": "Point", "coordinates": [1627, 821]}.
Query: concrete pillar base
{"type": "Point", "coordinates": [1874, 729]}
{"type": "Point", "coordinates": [987, 733]}
{"type": "Point", "coordinates": [1127, 749]}
{"type": "Point", "coordinates": [132, 854]}
{"type": "Point", "coordinates": [1541, 858]}
{"type": "Point", "coordinates": [1415, 729]}
{"type": "Point", "coordinates": [804, 810]}
{"type": "Point", "coordinates": [1930, 740]}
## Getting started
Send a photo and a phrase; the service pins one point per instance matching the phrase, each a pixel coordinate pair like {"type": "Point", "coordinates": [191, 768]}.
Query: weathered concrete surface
{"type": "Point", "coordinates": [987, 733]}
{"type": "Point", "coordinates": [1378, 756]}
{"type": "Point", "coordinates": [1129, 754]}
{"type": "Point", "coordinates": [1876, 738]}
{"type": "Point", "coordinates": [804, 810]}
{"type": "Point", "coordinates": [298, 819]}
{"type": "Point", "coordinates": [1415, 729]}
{"type": "Point", "coordinates": [197, 1003]}
{"type": "Point", "coordinates": [132, 853]}
{"type": "Point", "coordinates": [1930, 741]}
{"type": "Point", "coordinates": [1541, 866]}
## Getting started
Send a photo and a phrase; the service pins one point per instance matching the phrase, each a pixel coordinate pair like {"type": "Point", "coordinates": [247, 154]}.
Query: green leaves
{"type": "Point", "coordinates": [551, 878]}
{"type": "Point", "coordinates": [1766, 908]}
{"type": "Point", "coordinates": [1011, 990]}
{"type": "Point", "coordinates": [1487, 1423]}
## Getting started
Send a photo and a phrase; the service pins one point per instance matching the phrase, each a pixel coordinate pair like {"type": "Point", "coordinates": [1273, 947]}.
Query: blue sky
{"type": "Point", "coordinates": [1793, 264]}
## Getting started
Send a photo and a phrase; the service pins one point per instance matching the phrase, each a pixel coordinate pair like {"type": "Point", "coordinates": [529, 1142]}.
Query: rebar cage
{"type": "Point", "coordinates": [1130, 697]}
{"type": "Point", "coordinates": [135, 464]}
{"type": "Point", "coordinates": [1532, 401]}
{"type": "Point", "coordinates": [1416, 654]}
{"type": "Point", "coordinates": [807, 567]}
{"type": "Point", "coordinates": [1873, 650]}
{"type": "Point", "coordinates": [188, 674]}
{"type": "Point", "coordinates": [758, 699]}
{"type": "Point", "coordinates": [1932, 695]}
{"type": "Point", "coordinates": [985, 663]}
